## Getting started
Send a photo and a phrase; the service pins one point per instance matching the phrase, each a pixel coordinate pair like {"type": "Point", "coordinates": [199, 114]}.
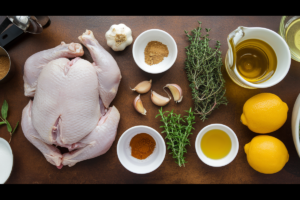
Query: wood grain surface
{"type": "Point", "coordinates": [30, 166]}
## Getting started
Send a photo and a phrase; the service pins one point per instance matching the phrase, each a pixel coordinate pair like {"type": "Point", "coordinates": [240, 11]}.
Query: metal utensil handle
{"type": "Point", "coordinates": [10, 33]}
{"type": "Point", "coordinates": [5, 24]}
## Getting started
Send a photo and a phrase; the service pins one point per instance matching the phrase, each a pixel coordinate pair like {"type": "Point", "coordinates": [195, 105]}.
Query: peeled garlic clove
{"type": "Point", "coordinates": [138, 105]}
{"type": "Point", "coordinates": [143, 87]}
{"type": "Point", "coordinates": [176, 92]}
{"type": "Point", "coordinates": [158, 99]}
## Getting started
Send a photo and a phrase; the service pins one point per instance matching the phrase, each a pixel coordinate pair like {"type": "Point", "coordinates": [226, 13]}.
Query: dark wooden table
{"type": "Point", "coordinates": [30, 166]}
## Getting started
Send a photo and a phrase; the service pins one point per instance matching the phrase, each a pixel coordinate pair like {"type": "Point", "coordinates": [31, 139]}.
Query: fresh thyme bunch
{"type": "Point", "coordinates": [203, 69]}
{"type": "Point", "coordinates": [177, 129]}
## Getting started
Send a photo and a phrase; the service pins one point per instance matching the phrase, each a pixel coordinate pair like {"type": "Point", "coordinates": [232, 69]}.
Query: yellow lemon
{"type": "Point", "coordinates": [266, 154]}
{"type": "Point", "coordinates": [264, 113]}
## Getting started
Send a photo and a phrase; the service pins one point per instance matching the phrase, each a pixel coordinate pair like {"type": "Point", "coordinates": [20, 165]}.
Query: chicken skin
{"type": "Point", "coordinates": [71, 101]}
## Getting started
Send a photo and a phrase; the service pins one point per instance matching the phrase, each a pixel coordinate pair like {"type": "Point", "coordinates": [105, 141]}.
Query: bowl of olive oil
{"type": "Point", "coordinates": [256, 61]}
{"type": "Point", "coordinates": [289, 29]}
{"type": "Point", "coordinates": [217, 145]}
{"type": "Point", "coordinates": [257, 57]}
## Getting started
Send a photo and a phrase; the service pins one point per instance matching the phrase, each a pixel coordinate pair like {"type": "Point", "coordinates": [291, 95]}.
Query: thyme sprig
{"type": "Point", "coordinates": [177, 130]}
{"type": "Point", "coordinates": [3, 117]}
{"type": "Point", "coordinates": [203, 69]}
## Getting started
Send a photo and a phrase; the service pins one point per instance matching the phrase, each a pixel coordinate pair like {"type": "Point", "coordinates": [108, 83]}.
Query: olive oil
{"type": "Point", "coordinates": [215, 144]}
{"type": "Point", "coordinates": [292, 37]}
{"type": "Point", "coordinates": [256, 60]}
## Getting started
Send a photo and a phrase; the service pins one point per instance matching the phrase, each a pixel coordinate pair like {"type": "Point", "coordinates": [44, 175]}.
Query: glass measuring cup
{"type": "Point", "coordinates": [286, 24]}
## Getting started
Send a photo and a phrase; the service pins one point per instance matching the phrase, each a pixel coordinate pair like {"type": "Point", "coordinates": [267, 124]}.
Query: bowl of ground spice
{"type": "Point", "coordinates": [141, 149]}
{"type": "Point", "coordinates": [5, 65]}
{"type": "Point", "coordinates": [154, 51]}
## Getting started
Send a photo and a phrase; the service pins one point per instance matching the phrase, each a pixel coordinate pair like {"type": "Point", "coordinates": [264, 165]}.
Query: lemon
{"type": "Point", "coordinates": [266, 154]}
{"type": "Point", "coordinates": [264, 113]}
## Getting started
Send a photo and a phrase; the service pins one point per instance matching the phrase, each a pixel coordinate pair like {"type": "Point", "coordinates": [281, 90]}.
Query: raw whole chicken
{"type": "Point", "coordinates": [71, 101]}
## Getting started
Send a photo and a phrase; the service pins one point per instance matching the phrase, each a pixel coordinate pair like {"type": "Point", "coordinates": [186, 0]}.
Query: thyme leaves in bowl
{"type": "Point", "coordinates": [203, 69]}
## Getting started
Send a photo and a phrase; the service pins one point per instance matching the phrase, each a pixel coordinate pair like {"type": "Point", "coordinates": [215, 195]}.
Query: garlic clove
{"type": "Point", "coordinates": [143, 87]}
{"type": "Point", "coordinates": [138, 105]}
{"type": "Point", "coordinates": [158, 99]}
{"type": "Point", "coordinates": [176, 92]}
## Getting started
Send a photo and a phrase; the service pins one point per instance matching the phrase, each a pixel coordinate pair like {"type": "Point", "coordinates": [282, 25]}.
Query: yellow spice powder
{"type": "Point", "coordinates": [155, 52]}
{"type": "Point", "coordinates": [4, 66]}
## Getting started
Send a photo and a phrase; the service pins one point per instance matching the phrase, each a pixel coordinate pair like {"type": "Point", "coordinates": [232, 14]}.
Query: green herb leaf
{"type": "Point", "coordinates": [177, 130]}
{"type": "Point", "coordinates": [203, 69]}
{"type": "Point", "coordinates": [4, 109]}
{"type": "Point", "coordinates": [8, 127]}
{"type": "Point", "coordinates": [15, 128]}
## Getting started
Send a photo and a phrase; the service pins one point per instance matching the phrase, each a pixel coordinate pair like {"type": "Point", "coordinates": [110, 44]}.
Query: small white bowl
{"type": "Point", "coordinates": [140, 44]}
{"type": "Point", "coordinates": [6, 160]}
{"type": "Point", "coordinates": [230, 156]}
{"type": "Point", "coordinates": [295, 124]}
{"type": "Point", "coordinates": [135, 165]}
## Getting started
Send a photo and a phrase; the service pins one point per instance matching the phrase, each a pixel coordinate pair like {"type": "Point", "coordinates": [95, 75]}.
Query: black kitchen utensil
{"type": "Point", "coordinates": [14, 26]}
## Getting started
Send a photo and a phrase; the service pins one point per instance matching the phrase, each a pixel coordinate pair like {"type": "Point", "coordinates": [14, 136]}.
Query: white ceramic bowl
{"type": "Point", "coordinates": [230, 156]}
{"type": "Point", "coordinates": [6, 160]}
{"type": "Point", "coordinates": [140, 44]}
{"type": "Point", "coordinates": [295, 124]}
{"type": "Point", "coordinates": [135, 165]}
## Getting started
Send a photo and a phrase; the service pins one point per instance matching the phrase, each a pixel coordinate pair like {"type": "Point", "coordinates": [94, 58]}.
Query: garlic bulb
{"type": "Point", "coordinates": [143, 87]}
{"type": "Point", "coordinates": [176, 92]}
{"type": "Point", "coordinates": [158, 99]}
{"type": "Point", "coordinates": [118, 37]}
{"type": "Point", "coordinates": [138, 105]}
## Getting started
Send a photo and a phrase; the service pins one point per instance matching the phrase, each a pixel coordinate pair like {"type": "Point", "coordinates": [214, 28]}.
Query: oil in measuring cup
{"type": "Point", "coordinates": [292, 37]}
